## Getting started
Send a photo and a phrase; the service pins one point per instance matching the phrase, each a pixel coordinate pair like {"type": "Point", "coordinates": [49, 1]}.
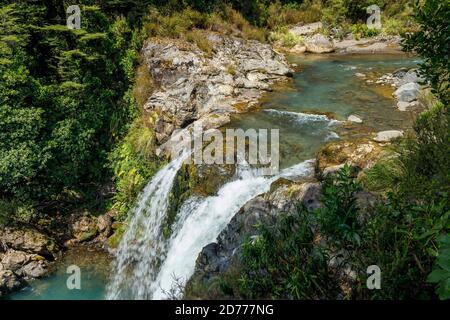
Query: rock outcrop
{"type": "Point", "coordinates": [29, 241]}
{"type": "Point", "coordinates": [379, 44]}
{"type": "Point", "coordinates": [283, 198]}
{"type": "Point", "coordinates": [24, 254]}
{"type": "Point", "coordinates": [196, 86]}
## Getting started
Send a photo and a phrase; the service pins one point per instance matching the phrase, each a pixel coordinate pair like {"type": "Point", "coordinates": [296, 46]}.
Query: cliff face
{"type": "Point", "coordinates": [206, 87]}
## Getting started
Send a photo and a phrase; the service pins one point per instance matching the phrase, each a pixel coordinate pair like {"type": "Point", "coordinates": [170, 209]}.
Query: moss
{"type": "Point", "coordinates": [181, 190]}
{"type": "Point", "coordinates": [88, 235]}
{"type": "Point", "coordinates": [119, 230]}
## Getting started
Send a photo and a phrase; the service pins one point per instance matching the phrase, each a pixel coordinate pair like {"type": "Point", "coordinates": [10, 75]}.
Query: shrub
{"type": "Point", "coordinates": [280, 15]}
{"type": "Point", "coordinates": [339, 215]}
{"type": "Point", "coordinates": [431, 43]}
{"type": "Point", "coordinates": [441, 271]}
{"type": "Point", "coordinates": [285, 38]}
{"type": "Point", "coordinates": [283, 262]}
{"type": "Point", "coordinates": [361, 30]}
{"type": "Point", "coordinates": [201, 40]}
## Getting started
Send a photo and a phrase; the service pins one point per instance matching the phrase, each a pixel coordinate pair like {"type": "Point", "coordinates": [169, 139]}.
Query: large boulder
{"type": "Point", "coordinates": [35, 269]}
{"type": "Point", "coordinates": [407, 92]}
{"type": "Point", "coordinates": [23, 264]}
{"type": "Point", "coordinates": [14, 260]}
{"type": "Point", "coordinates": [408, 77]}
{"type": "Point", "coordinates": [319, 43]}
{"type": "Point", "coordinates": [28, 240]}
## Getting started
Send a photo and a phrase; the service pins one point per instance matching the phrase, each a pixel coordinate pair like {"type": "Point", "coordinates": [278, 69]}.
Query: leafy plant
{"type": "Point", "coordinates": [431, 43]}
{"type": "Point", "coordinates": [338, 217]}
{"type": "Point", "coordinates": [283, 262]}
{"type": "Point", "coordinates": [441, 272]}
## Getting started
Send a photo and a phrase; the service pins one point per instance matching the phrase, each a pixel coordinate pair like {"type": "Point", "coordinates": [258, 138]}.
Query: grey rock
{"type": "Point", "coordinates": [28, 240]}
{"type": "Point", "coordinates": [14, 260]}
{"type": "Point", "coordinates": [407, 92]}
{"type": "Point", "coordinates": [355, 119]}
{"type": "Point", "coordinates": [35, 269]}
{"type": "Point", "coordinates": [307, 29]}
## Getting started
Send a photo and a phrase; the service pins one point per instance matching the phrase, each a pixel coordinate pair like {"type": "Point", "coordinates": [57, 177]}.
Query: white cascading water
{"type": "Point", "coordinates": [148, 266]}
{"type": "Point", "coordinates": [143, 246]}
{"type": "Point", "coordinates": [202, 219]}
{"type": "Point", "coordinates": [300, 117]}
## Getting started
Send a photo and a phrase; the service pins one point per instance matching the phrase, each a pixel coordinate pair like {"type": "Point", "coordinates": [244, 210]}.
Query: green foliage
{"type": "Point", "coordinates": [64, 98]}
{"type": "Point", "coordinates": [441, 271]}
{"type": "Point", "coordinates": [133, 163]}
{"type": "Point", "coordinates": [283, 262]}
{"type": "Point", "coordinates": [338, 217]}
{"type": "Point", "coordinates": [285, 38]}
{"type": "Point", "coordinates": [361, 30]}
{"type": "Point", "coordinates": [280, 15]}
{"type": "Point", "coordinates": [399, 237]}
{"type": "Point", "coordinates": [432, 43]}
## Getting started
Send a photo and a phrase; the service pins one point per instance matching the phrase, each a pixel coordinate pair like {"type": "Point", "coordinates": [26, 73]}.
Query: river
{"type": "Point", "coordinates": [308, 110]}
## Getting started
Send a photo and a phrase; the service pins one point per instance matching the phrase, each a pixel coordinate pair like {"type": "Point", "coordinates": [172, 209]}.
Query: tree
{"type": "Point", "coordinates": [432, 43]}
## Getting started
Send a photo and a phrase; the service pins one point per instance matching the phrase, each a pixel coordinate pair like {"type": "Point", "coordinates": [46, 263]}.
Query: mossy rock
{"type": "Point", "coordinates": [359, 153]}
{"type": "Point", "coordinates": [119, 230]}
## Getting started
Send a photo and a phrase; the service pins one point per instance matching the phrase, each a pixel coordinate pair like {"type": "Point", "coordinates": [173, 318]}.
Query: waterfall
{"type": "Point", "coordinates": [147, 265]}
{"type": "Point", "coordinates": [200, 221]}
{"type": "Point", "coordinates": [142, 248]}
